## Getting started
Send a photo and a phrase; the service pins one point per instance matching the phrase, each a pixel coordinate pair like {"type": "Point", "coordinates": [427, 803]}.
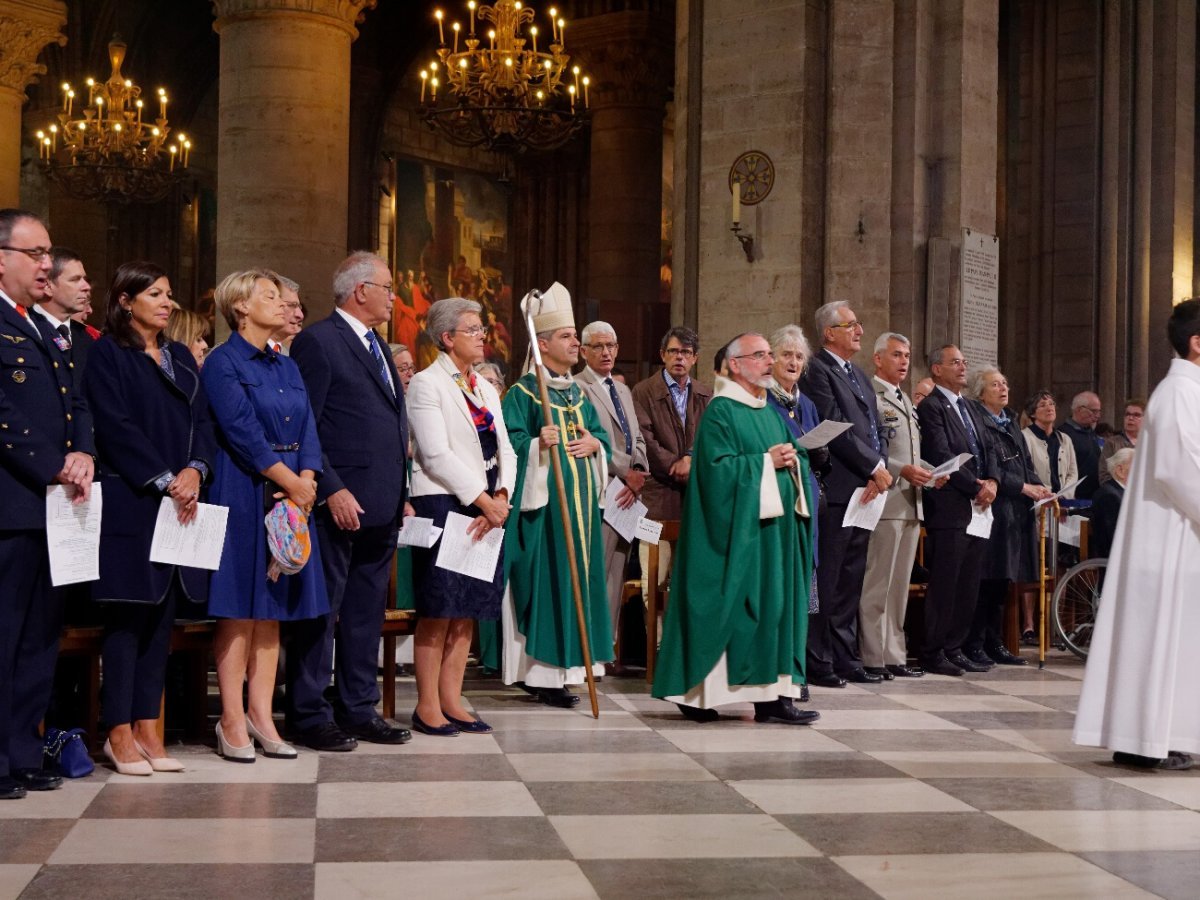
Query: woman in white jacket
{"type": "Point", "coordinates": [462, 463]}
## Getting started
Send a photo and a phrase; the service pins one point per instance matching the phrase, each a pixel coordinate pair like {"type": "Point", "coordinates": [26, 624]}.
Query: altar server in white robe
{"type": "Point", "coordinates": [1139, 695]}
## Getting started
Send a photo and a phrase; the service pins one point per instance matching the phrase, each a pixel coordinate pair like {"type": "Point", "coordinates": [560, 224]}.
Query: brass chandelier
{"type": "Point", "coordinates": [500, 91]}
{"type": "Point", "coordinates": [113, 148]}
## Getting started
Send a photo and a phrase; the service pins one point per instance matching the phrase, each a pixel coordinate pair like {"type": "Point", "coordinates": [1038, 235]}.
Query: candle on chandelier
{"type": "Point", "coordinates": [41, 137]}
{"type": "Point", "coordinates": [66, 89]}
{"type": "Point", "coordinates": [571, 91]}
{"type": "Point", "coordinates": [139, 106]}
{"type": "Point", "coordinates": [70, 102]}
{"type": "Point", "coordinates": [91, 84]}
{"type": "Point", "coordinates": [554, 24]}
{"type": "Point", "coordinates": [433, 83]}
{"type": "Point", "coordinates": [533, 34]}
{"type": "Point", "coordinates": [437, 14]}
{"type": "Point", "coordinates": [575, 72]}
{"type": "Point", "coordinates": [424, 79]}
{"type": "Point", "coordinates": [53, 138]}
{"type": "Point", "coordinates": [99, 109]}
{"type": "Point", "coordinates": [492, 38]}
{"type": "Point", "coordinates": [174, 150]}
{"type": "Point", "coordinates": [586, 103]}
{"type": "Point", "coordinates": [562, 33]}
{"type": "Point", "coordinates": [457, 28]}
{"type": "Point", "coordinates": [471, 7]}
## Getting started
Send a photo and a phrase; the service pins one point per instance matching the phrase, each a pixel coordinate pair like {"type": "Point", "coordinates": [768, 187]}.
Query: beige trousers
{"type": "Point", "coordinates": [884, 599]}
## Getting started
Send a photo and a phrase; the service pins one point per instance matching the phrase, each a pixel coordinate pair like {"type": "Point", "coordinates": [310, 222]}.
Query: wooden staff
{"type": "Point", "coordinates": [1042, 586]}
{"type": "Point", "coordinates": [556, 464]}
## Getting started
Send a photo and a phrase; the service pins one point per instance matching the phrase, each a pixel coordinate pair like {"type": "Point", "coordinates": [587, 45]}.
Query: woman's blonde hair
{"type": "Point", "coordinates": [238, 286]}
{"type": "Point", "coordinates": [186, 326]}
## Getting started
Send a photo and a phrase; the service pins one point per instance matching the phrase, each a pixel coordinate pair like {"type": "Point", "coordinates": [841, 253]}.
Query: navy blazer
{"type": "Point", "coordinates": [944, 436]}
{"type": "Point", "coordinates": [146, 426]}
{"type": "Point", "coordinates": [853, 456]}
{"type": "Point", "coordinates": [362, 426]}
{"type": "Point", "coordinates": [43, 417]}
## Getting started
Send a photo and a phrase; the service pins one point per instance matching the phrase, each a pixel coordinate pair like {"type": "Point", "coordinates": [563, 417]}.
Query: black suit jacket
{"type": "Point", "coordinates": [43, 417]}
{"type": "Point", "coordinates": [363, 428]}
{"type": "Point", "coordinates": [944, 436]}
{"type": "Point", "coordinates": [853, 456]}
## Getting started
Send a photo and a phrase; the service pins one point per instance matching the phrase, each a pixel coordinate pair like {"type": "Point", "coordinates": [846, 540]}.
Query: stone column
{"type": "Point", "coordinates": [26, 26]}
{"type": "Point", "coordinates": [628, 56]}
{"type": "Point", "coordinates": [283, 138]}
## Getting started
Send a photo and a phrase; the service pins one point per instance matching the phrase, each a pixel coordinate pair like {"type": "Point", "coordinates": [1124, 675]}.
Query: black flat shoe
{"type": "Point", "coordinates": [1003, 657]}
{"type": "Point", "coordinates": [980, 658]}
{"type": "Point", "coordinates": [862, 676]}
{"type": "Point", "coordinates": [1175, 761]}
{"type": "Point", "coordinates": [966, 664]}
{"type": "Point", "coordinates": [881, 671]}
{"type": "Point", "coordinates": [828, 680]}
{"type": "Point", "coordinates": [783, 712]}
{"type": "Point", "coordinates": [377, 731]}
{"type": "Point", "coordinates": [447, 730]}
{"type": "Point", "coordinates": [327, 737]}
{"type": "Point", "coordinates": [532, 691]}
{"type": "Point", "coordinates": [696, 714]}
{"type": "Point", "coordinates": [939, 665]}
{"type": "Point", "coordinates": [37, 779]}
{"type": "Point", "coordinates": [11, 789]}
{"type": "Point", "coordinates": [469, 726]}
{"type": "Point", "coordinates": [1029, 638]}
{"type": "Point", "coordinates": [558, 697]}
{"type": "Point", "coordinates": [906, 671]}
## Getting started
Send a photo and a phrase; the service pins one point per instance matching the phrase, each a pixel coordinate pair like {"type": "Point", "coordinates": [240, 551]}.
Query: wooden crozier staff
{"type": "Point", "coordinates": [556, 463]}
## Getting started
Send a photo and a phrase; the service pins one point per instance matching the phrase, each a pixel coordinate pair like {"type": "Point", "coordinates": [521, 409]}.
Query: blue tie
{"type": "Point", "coordinates": [612, 391]}
{"type": "Point", "coordinates": [858, 392]}
{"type": "Point", "coordinates": [972, 437]}
{"type": "Point", "coordinates": [379, 360]}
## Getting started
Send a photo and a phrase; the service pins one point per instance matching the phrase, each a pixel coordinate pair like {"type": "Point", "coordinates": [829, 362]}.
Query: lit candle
{"type": "Point", "coordinates": [41, 139]}
{"type": "Point", "coordinates": [66, 91]}
{"type": "Point", "coordinates": [492, 38]}
{"type": "Point", "coordinates": [187, 153]}
{"type": "Point", "coordinates": [70, 101]}
{"type": "Point", "coordinates": [562, 33]}
{"type": "Point", "coordinates": [99, 109]}
{"type": "Point", "coordinates": [424, 79]}
{"type": "Point", "coordinates": [139, 104]}
{"type": "Point", "coordinates": [554, 24]}
{"type": "Point", "coordinates": [457, 29]}
{"type": "Point", "coordinates": [471, 7]}
{"type": "Point", "coordinates": [533, 34]}
{"type": "Point", "coordinates": [91, 84]}
{"type": "Point", "coordinates": [437, 14]}
{"type": "Point", "coordinates": [434, 83]}
{"type": "Point", "coordinates": [575, 72]}
{"type": "Point", "coordinates": [174, 150]}
{"type": "Point", "coordinates": [737, 202]}
{"type": "Point", "coordinates": [586, 81]}
{"type": "Point", "coordinates": [53, 138]}
{"type": "Point", "coordinates": [571, 91]}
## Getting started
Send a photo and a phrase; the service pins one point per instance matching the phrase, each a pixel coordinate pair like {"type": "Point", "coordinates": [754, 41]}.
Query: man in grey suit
{"type": "Point", "coordinates": [614, 403]}
{"type": "Point", "coordinates": [893, 543]}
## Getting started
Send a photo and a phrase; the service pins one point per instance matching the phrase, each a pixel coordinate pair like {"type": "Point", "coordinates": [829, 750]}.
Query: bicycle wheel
{"type": "Point", "coordinates": [1076, 603]}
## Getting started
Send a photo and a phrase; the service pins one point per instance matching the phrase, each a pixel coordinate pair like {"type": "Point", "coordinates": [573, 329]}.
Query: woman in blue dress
{"type": "Point", "coordinates": [268, 449]}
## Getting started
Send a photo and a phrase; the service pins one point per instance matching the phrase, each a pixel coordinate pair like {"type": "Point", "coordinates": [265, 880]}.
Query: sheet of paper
{"type": "Point", "coordinates": [1068, 531]}
{"type": "Point", "coordinates": [822, 434]}
{"type": "Point", "coordinates": [623, 521]}
{"type": "Point", "coordinates": [1065, 490]}
{"type": "Point", "coordinates": [459, 552]}
{"type": "Point", "coordinates": [197, 544]}
{"type": "Point", "coordinates": [73, 534]}
{"type": "Point", "coordinates": [418, 532]}
{"type": "Point", "coordinates": [952, 465]}
{"type": "Point", "coordinates": [648, 530]}
{"type": "Point", "coordinates": [981, 522]}
{"type": "Point", "coordinates": [863, 515]}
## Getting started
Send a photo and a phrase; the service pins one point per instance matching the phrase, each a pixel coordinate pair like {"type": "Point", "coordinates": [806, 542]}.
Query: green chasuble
{"type": "Point", "coordinates": [534, 552]}
{"type": "Point", "coordinates": [740, 584]}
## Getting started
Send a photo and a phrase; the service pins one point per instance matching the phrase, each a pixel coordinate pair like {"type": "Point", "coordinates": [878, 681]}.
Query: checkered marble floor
{"type": "Point", "coordinates": [916, 788]}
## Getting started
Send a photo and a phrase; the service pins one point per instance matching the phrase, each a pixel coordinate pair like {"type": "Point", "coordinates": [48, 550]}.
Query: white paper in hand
{"type": "Point", "coordinates": [197, 544]}
{"type": "Point", "coordinates": [649, 531]}
{"type": "Point", "coordinates": [418, 532]}
{"type": "Point", "coordinates": [952, 465]}
{"type": "Point", "coordinates": [822, 434]}
{"type": "Point", "coordinates": [459, 552]}
{"type": "Point", "coordinates": [1065, 489]}
{"type": "Point", "coordinates": [863, 515]}
{"type": "Point", "coordinates": [623, 521]}
{"type": "Point", "coordinates": [73, 534]}
{"type": "Point", "coordinates": [981, 522]}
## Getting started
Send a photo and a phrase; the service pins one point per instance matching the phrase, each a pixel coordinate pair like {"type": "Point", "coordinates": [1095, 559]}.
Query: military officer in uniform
{"type": "Point", "coordinates": [45, 439]}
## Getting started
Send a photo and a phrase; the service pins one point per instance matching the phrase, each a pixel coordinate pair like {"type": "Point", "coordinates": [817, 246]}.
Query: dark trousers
{"type": "Point", "coordinates": [987, 630]}
{"type": "Point", "coordinates": [137, 641]}
{"type": "Point", "coordinates": [833, 629]}
{"type": "Point", "coordinates": [953, 558]}
{"type": "Point", "coordinates": [31, 613]}
{"type": "Point", "coordinates": [356, 576]}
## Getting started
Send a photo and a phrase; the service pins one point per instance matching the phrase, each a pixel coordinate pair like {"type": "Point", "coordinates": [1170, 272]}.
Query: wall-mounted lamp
{"type": "Point", "coordinates": [746, 239]}
{"type": "Point", "coordinates": [751, 178]}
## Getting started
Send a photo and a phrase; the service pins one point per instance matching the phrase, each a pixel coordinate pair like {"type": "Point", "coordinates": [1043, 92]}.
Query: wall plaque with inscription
{"type": "Point", "coordinates": [979, 293]}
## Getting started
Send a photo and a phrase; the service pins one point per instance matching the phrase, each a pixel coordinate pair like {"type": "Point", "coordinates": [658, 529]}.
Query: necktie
{"type": "Point", "coordinates": [65, 331]}
{"type": "Point", "coordinates": [858, 392]}
{"type": "Point", "coordinates": [900, 396]}
{"type": "Point", "coordinates": [616, 401]}
{"type": "Point", "coordinates": [972, 437]}
{"type": "Point", "coordinates": [373, 342]}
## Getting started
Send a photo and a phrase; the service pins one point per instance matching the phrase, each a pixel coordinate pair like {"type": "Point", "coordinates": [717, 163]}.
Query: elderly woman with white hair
{"type": "Point", "coordinates": [1012, 547]}
{"type": "Point", "coordinates": [462, 463]}
{"type": "Point", "coordinates": [1106, 503]}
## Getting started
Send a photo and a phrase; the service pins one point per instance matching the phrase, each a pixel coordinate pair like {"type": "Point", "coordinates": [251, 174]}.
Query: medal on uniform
{"type": "Point", "coordinates": [19, 376]}
{"type": "Point", "coordinates": [61, 343]}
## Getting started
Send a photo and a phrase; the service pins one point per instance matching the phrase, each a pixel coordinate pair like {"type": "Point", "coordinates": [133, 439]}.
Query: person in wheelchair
{"type": "Point", "coordinates": [1106, 503]}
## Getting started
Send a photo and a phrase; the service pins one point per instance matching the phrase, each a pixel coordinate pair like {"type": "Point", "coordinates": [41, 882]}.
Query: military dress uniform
{"type": "Point", "coordinates": [42, 419]}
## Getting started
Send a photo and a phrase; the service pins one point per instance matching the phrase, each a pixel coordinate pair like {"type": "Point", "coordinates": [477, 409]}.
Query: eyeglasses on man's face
{"type": "Point", "coordinates": [680, 351]}
{"type": "Point", "coordinates": [37, 254]}
{"type": "Point", "coordinates": [604, 348]}
{"type": "Point", "coordinates": [387, 287]}
{"type": "Point", "coordinates": [849, 326]}
{"type": "Point", "coordinates": [474, 331]}
{"type": "Point", "coordinates": [757, 356]}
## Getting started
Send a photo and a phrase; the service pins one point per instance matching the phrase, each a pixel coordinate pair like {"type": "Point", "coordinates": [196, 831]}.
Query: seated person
{"type": "Point", "coordinates": [1106, 503]}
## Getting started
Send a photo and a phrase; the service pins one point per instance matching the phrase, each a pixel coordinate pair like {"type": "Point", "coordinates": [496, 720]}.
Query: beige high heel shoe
{"type": "Point", "coordinates": [234, 754]}
{"type": "Point", "coordinates": [160, 763]}
{"type": "Point", "coordinates": [141, 767]}
{"type": "Point", "coordinates": [271, 749]}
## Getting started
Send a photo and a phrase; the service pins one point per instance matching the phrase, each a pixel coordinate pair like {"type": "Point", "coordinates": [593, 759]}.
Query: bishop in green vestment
{"type": "Point", "coordinates": [737, 618]}
{"type": "Point", "coordinates": [541, 646]}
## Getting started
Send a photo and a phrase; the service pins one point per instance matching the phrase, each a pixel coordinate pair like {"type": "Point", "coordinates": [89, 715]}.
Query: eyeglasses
{"type": "Point", "coordinates": [386, 287]}
{"type": "Point", "coordinates": [603, 348]}
{"type": "Point", "coordinates": [1134, 414]}
{"type": "Point", "coordinates": [757, 356]}
{"type": "Point", "coordinates": [473, 331]}
{"type": "Point", "coordinates": [679, 351]}
{"type": "Point", "coordinates": [405, 369]}
{"type": "Point", "coordinates": [37, 254]}
{"type": "Point", "coordinates": [849, 326]}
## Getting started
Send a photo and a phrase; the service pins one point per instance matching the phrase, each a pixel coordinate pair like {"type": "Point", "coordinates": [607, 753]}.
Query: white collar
{"type": "Point", "coordinates": [954, 398]}
{"type": "Point", "coordinates": [731, 390]}
{"type": "Point", "coordinates": [359, 328]}
{"type": "Point", "coordinates": [892, 388]}
{"type": "Point", "coordinates": [49, 317]}
{"type": "Point", "coordinates": [596, 376]}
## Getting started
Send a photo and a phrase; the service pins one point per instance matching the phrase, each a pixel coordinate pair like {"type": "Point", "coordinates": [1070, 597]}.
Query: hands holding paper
{"type": "Point", "coordinates": [987, 493]}
{"type": "Point", "coordinates": [783, 456]}
{"type": "Point", "coordinates": [1036, 491]}
{"type": "Point", "coordinates": [78, 469]}
{"type": "Point", "coordinates": [494, 511]}
{"type": "Point", "coordinates": [878, 483]}
{"type": "Point", "coordinates": [184, 489]}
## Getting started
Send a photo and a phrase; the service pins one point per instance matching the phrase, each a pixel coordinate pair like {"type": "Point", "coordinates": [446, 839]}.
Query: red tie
{"type": "Point", "coordinates": [24, 313]}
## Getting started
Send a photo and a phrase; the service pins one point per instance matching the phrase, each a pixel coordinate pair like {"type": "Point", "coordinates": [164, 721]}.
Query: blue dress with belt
{"type": "Point", "coordinates": [263, 417]}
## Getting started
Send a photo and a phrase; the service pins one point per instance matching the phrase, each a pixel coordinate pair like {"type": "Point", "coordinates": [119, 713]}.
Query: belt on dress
{"type": "Point", "coordinates": [285, 448]}
{"type": "Point", "coordinates": [489, 464]}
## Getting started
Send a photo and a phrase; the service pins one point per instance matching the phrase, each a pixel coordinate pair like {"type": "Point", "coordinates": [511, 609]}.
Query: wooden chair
{"type": "Point", "coordinates": [85, 641]}
{"type": "Point", "coordinates": [396, 623]}
{"type": "Point", "coordinates": [656, 600]}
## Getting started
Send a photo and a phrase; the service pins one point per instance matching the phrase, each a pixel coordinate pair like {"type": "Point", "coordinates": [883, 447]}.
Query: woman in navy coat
{"type": "Point", "coordinates": [154, 439]}
{"type": "Point", "coordinates": [268, 449]}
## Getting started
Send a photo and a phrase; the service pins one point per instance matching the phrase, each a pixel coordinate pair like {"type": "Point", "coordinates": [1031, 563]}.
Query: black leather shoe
{"type": "Point", "coordinates": [376, 731]}
{"type": "Point", "coordinates": [37, 779]}
{"type": "Point", "coordinates": [469, 726]}
{"type": "Point", "coordinates": [939, 665]}
{"type": "Point", "coordinates": [881, 671]}
{"type": "Point", "coordinates": [1003, 657]}
{"type": "Point", "coordinates": [906, 671]}
{"type": "Point", "coordinates": [1174, 762]}
{"type": "Point", "coordinates": [10, 788]}
{"type": "Point", "coordinates": [980, 658]}
{"type": "Point", "coordinates": [862, 676]}
{"type": "Point", "coordinates": [828, 680]}
{"type": "Point", "coordinates": [327, 737]}
{"type": "Point", "coordinates": [532, 691]}
{"type": "Point", "coordinates": [784, 712]}
{"type": "Point", "coordinates": [696, 714]}
{"type": "Point", "coordinates": [964, 662]}
{"type": "Point", "coordinates": [447, 730]}
{"type": "Point", "coordinates": [559, 697]}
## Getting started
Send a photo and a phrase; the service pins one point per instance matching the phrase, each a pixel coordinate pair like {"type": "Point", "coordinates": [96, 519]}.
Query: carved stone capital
{"type": "Point", "coordinates": [628, 55]}
{"type": "Point", "coordinates": [26, 26]}
{"type": "Point", "coordinates": [344, 14]}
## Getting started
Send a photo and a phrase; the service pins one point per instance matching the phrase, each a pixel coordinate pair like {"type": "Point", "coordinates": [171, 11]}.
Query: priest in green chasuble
{"type": "Point", "coordinates": [540, 644]}
{"type": "Point", "coordinates": [737, 617]}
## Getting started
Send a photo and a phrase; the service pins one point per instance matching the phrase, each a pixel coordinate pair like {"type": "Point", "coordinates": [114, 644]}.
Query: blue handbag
{"type": "Point", "coordinates": [66, 753]}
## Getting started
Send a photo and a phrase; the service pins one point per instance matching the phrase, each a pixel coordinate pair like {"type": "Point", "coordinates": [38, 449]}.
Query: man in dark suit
{"type": "Point", "coordinates": [1081, 429]}
{"type": "Point", "coordinates": [950, 425]}
{"type": "Point", "coordinates": [45, 439]}
{"type": "Point", "coordinates": [68, 293]}
{"type": "Point", "coordinates": [359, 407]}
{"type": "Point", "coordinates": [842, 392]}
